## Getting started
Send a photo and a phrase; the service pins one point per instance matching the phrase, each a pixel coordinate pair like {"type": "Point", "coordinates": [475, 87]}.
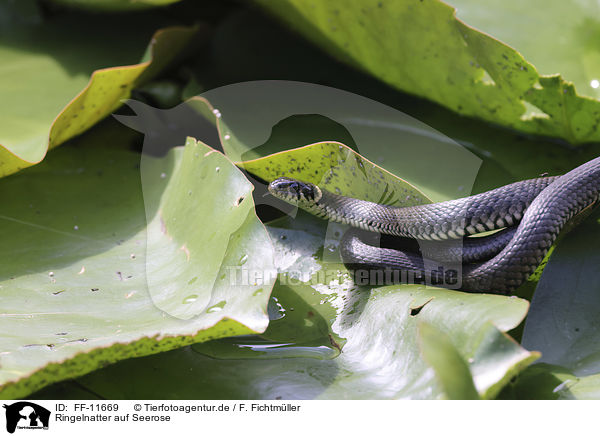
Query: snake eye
{"type": "Point", "coordinates": [293, 189]}
{"type": "Point", "coordinates": [307, 192]}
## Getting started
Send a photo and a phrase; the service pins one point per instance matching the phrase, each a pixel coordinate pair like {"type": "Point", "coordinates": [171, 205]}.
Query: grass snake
{"type": "Point", "coordinates": [530, 212]}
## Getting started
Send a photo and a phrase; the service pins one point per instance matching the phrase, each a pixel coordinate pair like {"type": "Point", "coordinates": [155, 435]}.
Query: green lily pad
{"type": "Point", "coordinates": [338, 169]}
{"type": "Point", "coordinates": [68, 390]}
{"type": "Point", "coordinates": [574, 55]}
{"type": "Point", "coordinates": [381, 359]}
{"type": "Point", "coordinates": [400, 144]}
{"type": "Point", "coordinates": [376, 329]}
{"type": "Point", "coordinates": [563, 322]}
{"type": "Point", "coordinates": [457, 66]}
{"type": "Point", "coordinates": [506, 156]}
{"type": "Point", "coordinates": [54, 98]}
{"type": "Point", "coordinates": [75, 294]}
{"type": "Point", "coordinates": [184, 277]}
{"type": "Point", "coordinates": [449, 366]}
{"type": "Point", "coordinates": [319, 311]}
{"type": "Point", "coordinates": [543, 381]}
{"type": "Point", "coordinates": [115, 5]}
{"type": "Point", "coordinates": [299, 327]}
{"type": "Point", "coordinates": [385, 137]}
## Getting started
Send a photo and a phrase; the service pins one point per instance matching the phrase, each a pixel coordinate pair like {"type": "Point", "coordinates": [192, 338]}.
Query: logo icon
{"type": "Point", "coordinates": [26, 415]}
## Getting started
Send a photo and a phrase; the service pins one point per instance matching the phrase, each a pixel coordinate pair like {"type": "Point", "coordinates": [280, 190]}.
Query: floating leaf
{"type": "Point", "coordinates": [563, 323]}
{"type": "Point", "coordinates": [54, 99]}
{"type": "Point", "coordinates": [385, 137]}
{"type": "Point", "coordinates": [338, 169]}
{"type": "Point", "coordinates": [449, 366]}
{"type": "Point", "coordinates": [376, 329]}
{"type": "Point", "coordinates": [227, 240]}
{"type": "Point", "coordinates": [457, 66]}
{"type": "Point", "coordinates": [575, 54]}
{"type": "Point", "coordinates": [551, 382]}
{"type": "Point", "coordinates": [115, 5]}
{"type": "Point", "coordinates": [75, 294]}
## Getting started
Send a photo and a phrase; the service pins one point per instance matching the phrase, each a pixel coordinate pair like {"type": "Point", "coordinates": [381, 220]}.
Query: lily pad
{"type": "Point", "coordinates": [563, 322]}
{"type": "Point", "coordinates": [396, 142]}
{"type": "Point", "coordinates": [449, 366]}
{"type": "Point", "coordinates": [54, 98]}
{"type": "Point", "coordinates": [457, 66]}
{"type": "Point", "coordinates": [75, 295]}
{"type": "Point", "coordinates": [543, 381]}
{"type": "Point", "coordinates": [391, 140]}
{"type": "Point", "coordinates": [506, 156]}
{"type": "Point", "coordinates": [391, 367]}
{"type": "Point", "coordinates": [378, 330]}
{"type": "Point", "coordinates": [575, 54]}
{"type": "Point", "coordinates": [115, 5]}
{"type": "Point", "coordinates": [319, 312]}
{"type": "Point", "coordinates": [184, 277]}
{"type": "Point", "coordinates": [338, 169]}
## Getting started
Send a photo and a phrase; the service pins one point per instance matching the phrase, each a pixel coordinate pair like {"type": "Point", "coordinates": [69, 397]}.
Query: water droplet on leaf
{"type": "Point", "coordinates": [217, 307]}
{"type": "Point", "coordinates": [190, 299]}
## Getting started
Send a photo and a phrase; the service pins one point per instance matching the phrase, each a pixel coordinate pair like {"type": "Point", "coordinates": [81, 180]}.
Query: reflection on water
{"type": "Point", "coordinates": [256, 347]}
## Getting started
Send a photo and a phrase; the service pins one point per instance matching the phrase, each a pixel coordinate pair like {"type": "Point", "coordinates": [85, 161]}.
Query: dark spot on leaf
{"type": "Point", "coordinates": [414, 311]}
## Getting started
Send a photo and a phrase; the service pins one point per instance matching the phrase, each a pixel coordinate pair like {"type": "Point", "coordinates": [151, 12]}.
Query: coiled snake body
{"type": "Point", "coordinates": [533, 212]}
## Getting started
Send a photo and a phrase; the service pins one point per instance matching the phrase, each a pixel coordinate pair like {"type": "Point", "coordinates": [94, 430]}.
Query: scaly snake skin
{"type": "Point", "coordinates": [534, 212]}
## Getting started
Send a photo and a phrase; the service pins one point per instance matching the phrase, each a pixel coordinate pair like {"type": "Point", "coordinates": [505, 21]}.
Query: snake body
{"type": "Point", "coordinates": [452, 219]}
{"type": "Point", "coordinates": [533, 211]}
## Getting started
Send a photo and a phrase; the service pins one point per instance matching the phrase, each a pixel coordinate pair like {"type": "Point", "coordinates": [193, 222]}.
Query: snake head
{"type": "Point", "coordinates": [294, 191]}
